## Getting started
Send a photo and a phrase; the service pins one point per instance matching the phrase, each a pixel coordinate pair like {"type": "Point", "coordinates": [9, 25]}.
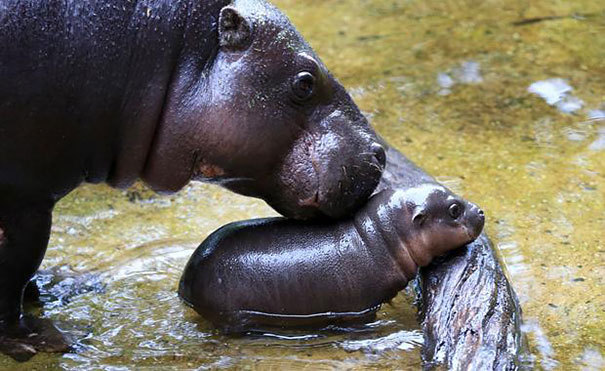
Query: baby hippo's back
{"type": "Point", "coordinates": [282, 272]}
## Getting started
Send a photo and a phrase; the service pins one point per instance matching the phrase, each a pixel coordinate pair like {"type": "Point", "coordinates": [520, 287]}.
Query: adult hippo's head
{"type": "Point", "coordinates": [263, 117]}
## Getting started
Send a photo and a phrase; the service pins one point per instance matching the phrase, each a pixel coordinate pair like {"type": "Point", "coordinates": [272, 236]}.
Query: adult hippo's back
{"type": "Point", "coordinates": [167, 91]}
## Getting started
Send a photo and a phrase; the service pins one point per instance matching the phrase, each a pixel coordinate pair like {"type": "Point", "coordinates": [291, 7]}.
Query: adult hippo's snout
{"type": "Point", "coordinates": [348, 179]}
{"type": "Point", "coordinates": [330, 172]}
{"type": "Point", "coordinates": [335, 165]}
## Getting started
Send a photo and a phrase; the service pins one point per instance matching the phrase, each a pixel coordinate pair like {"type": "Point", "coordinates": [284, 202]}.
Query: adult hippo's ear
{"type": "Point", "coordinates": [419, 217]}
{"type": "Point", "coordinates": [234, 31]}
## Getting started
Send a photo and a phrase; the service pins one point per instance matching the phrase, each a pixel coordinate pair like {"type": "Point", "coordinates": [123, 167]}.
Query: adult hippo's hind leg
{"type": "Point", "coordinates": [24, 233]}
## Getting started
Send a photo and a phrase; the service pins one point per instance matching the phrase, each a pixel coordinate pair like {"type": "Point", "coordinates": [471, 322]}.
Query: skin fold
{"type": "Point", "coordinates": [281, 272]}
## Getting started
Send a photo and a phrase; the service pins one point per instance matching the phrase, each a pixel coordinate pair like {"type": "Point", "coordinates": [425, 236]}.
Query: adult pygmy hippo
{"type": "Point", "coordinates": [279, 272]}
{"type": "Point", "coordinates": [167, 91]}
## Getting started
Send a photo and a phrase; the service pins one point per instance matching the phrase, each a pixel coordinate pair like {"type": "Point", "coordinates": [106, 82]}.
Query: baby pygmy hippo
{"type": "Point", "coordinates": [279, 272]}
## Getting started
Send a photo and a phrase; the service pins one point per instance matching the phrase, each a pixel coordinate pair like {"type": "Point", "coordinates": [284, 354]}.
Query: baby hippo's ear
{"type": "Point", "coordinates": [234, 31]}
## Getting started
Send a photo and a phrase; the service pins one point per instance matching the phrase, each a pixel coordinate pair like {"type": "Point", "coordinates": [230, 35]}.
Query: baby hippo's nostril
{"type": "Point", "coordinates": [379, 154]}
{"type": "Point", "coordinates": [480, 212]}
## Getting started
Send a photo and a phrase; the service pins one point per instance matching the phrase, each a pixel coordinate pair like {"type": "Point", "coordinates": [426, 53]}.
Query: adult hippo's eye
{"type": "Point", "coordinates": [303, 86]}
{"type": "Point", "coordinates": [455, 210]}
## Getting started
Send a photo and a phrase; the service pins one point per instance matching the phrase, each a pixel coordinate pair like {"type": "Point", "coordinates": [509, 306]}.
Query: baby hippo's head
{"type": "Point", "coordinates": [435, 221]}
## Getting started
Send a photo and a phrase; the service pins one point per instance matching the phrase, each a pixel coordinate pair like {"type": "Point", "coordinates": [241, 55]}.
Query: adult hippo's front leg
{"type": "Point", "coordinates": [24, 231]}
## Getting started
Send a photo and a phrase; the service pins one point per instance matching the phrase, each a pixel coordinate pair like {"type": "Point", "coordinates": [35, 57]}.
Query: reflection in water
{"type": "Point", "coordinates": [591, 360]}
{"type": "Point", "coordinates": [556, 93]}
{"type": "Point", "coordinates": [599, 143]}
{"type": "Point", "coordinates": [551, 90]}
{"type": "Point", "coordinates": [597, 114]}
{"type": "Point", "coordinates": [543, 346]}
{"type": "Point", "coordinates": [468, 73]}
{"type": "Point", "coordinates": [401, 340]}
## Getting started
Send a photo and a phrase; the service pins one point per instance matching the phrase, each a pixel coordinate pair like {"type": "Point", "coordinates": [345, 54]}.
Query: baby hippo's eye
{"type": "Point", "coordinates": [303, 86]}
{"type": "Point", "coordinates": [455, 210]}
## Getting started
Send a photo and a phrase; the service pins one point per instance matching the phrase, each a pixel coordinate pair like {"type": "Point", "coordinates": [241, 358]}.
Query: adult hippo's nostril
{"type": "Point", "coordinates": [379, 154]}
{"type": "Point", "coordinates": [480, 212]}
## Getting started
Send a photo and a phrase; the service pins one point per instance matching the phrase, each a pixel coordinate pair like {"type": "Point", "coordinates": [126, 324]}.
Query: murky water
{"type": "Point", "coordinates": [446, 82]}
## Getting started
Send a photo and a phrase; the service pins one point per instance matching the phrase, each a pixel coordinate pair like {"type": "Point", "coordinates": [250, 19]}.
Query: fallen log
{"type": "Point", "coordinates": [469, 312]}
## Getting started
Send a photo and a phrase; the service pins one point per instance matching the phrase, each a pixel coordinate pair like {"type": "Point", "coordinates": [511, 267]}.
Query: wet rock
{"type": "Point", "coordinates": [33, 335]}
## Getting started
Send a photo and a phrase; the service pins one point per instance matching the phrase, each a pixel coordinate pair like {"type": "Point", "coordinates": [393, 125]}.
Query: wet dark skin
{"type": "Point", "coordinates": [279, 272]}
{"type": "Point", "coordinates": [167, 92]}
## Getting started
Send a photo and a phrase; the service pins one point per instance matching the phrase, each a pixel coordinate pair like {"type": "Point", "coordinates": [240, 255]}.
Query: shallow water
{"type": "Point", "coordinates": [445, 82]}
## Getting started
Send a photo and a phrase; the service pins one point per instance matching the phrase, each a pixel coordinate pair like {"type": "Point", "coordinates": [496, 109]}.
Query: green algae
{"type": "Point", "coordinates": [528, 165]}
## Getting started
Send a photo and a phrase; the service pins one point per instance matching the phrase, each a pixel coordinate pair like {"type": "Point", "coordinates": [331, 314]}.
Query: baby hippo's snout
{"type": "Point", "coordinates": [475, 220]}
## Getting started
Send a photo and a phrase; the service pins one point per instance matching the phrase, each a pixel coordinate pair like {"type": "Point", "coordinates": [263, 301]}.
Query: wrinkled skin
{"type": "Point", "coordinates": [167, 91]}
{"type": "Point", "coordinates": [264, 272]}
